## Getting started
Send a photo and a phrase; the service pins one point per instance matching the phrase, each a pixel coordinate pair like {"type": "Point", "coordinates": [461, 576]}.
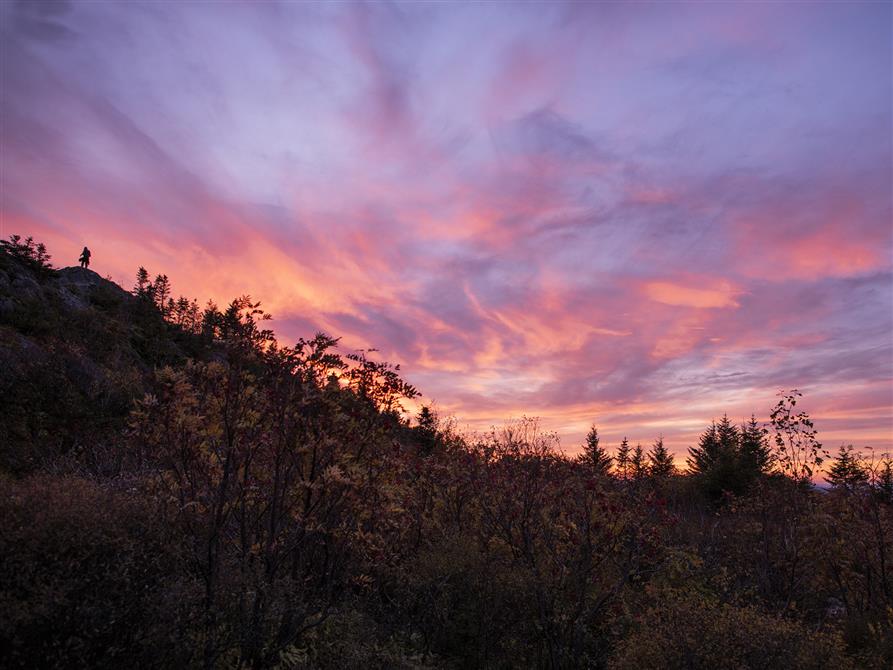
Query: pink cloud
{"type": "Point", "coordinates": [669, 293]}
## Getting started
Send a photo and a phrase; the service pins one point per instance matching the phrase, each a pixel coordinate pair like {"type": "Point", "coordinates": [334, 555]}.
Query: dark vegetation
{"type": "Point", "coordinates": [177, 490]}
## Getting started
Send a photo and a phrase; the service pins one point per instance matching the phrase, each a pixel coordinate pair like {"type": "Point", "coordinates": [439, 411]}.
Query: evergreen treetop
{"type": "Point", "coordinates": [638, 463]}
{"type": "Point", "coordinates": [594, 455]}
{"type": "Point", "coordinates": [847, 472]}
{"type": "Point", "coordinates": [622, 460]}
{"type": "Point", "coordinates": [660, 462]}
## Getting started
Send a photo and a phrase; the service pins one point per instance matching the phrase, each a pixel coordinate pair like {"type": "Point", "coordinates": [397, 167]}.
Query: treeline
{"type": "Point", "coordinates": [180, 491]}
{"type": "Point", "coordinates": [730, 459]}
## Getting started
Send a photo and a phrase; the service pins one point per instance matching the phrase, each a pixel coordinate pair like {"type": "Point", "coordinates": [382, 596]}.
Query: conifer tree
{"type": "Point", "coordinates": [717, 460]}
{"type": "Point", "coordinates": [727, 436]}
{"type": "Point", "coordinates": [595, 456]}
{"type": "Point", "coordinates": [638, 464]}
{"type": "Point", "coordinates": [847, 472]}
{"type": "Point", "coordinates": [718, 443]}
{"type": "Point", "coordinates": [161, 291]}
{"type": "Point", "coordinates": [193, 317]}
{"type": "Point", "coordinates": [754, 453]}
{"type": "Point", "coordinates": [426, 429]}
{"type": "Point", "coordinates": [884, 482]}
{"type": "Point", "coordinates": [180, 311]}
{"type": "Point", "coordinates": [33, 254]}
{"type": "Point", "coordinates": [142, 282]}
{"type": "Point", "coordinates": [660, 462]}
{"type": "Point", "coordinates": [702, 457]}
{"type": "Point", "coordinates": [622, 460]}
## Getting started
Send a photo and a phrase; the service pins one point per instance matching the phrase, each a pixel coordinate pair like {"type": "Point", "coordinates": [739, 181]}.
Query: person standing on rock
{"type": "Point", "coordinates": [85, 258]}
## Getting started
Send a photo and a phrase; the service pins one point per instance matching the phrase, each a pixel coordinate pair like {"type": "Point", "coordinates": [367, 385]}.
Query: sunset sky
{"type": "Point", "coordinates": [639, 215]}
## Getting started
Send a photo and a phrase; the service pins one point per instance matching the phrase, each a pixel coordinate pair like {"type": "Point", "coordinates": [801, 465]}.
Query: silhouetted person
{"type": "Point", "coordinates": [85, 258]}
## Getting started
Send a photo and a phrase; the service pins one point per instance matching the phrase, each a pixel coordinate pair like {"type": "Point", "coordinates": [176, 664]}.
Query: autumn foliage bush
{"type": "Point", "coordinates": [691, 631]}
{"type": "Point", "coordinates": [90, 578]}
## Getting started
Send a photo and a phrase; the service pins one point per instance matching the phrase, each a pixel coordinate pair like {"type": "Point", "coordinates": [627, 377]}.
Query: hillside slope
{"type": "Point", "coordinates": [75, 351]}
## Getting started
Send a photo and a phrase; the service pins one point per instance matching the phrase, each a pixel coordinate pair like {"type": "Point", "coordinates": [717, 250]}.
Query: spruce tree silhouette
{"type": "Point", "coordinates": [595, 456]}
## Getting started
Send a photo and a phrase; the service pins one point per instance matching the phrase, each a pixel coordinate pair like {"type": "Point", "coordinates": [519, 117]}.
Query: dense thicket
{"type": "Point", "coordinates": [178, 490]}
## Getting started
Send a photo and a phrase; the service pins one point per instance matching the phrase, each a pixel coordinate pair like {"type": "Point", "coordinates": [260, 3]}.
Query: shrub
{"type": "Point", "coordinates": [692, 632]}
{"type": "Point", "coordinates": [88, 579]}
